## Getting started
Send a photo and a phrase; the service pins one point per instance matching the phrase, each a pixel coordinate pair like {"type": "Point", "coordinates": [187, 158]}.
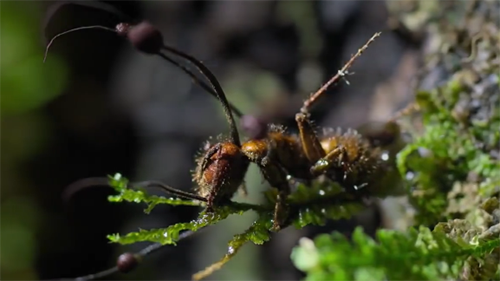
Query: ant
{"type": "Point", "coordinates": [346, 157]}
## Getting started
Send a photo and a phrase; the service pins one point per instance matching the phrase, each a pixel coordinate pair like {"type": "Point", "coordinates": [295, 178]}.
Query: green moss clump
{"type": "Point", "coordinates": [419, 254]}
{"type": "Point", "coordinates": [451, 165]}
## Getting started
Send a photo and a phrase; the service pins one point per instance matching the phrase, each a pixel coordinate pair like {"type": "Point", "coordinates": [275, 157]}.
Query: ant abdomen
{"type": "Point", "coordinates": [356, 162]}
{"type": "Point", "coordinates": [381, 134]}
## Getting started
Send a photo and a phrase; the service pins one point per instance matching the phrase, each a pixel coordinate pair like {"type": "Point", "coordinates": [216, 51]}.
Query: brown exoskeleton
{"type": "Point", "coordinates": [352, 160]}
{"type": "Point", "coordinates": [344, 157]}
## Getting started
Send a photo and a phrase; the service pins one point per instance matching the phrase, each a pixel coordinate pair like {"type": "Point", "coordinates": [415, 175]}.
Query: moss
{"type": "Point", "coordinates": [451, 165]}
{"type": "Point", "coordinates": [419, 254]}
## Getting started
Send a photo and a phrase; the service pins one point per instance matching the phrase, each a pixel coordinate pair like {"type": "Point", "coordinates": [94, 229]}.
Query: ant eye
{"type": "Point", "coordinates": [127, 262]}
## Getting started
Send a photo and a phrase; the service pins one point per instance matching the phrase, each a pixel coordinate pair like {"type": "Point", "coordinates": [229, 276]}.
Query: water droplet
{"type": "Point", "coordinates": [360, 186]}
{"type": "Point", "coordinates": [385, 156]}
{"type": "Point", "coordinates": [230, 250]}
{"type": "Point", "coordinates": [322, 162]}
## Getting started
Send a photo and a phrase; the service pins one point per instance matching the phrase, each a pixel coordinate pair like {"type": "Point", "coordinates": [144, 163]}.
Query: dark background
{"type": "Point", "coordinates": [98, 107]}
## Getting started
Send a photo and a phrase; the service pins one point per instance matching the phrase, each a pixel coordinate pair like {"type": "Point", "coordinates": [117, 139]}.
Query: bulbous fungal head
{"type": "Point", "coordinates": [220, 172]}
{"type": "Point", "coordinates": [127, 262]}
{"type": "Point", "coordinates": [144, 36]}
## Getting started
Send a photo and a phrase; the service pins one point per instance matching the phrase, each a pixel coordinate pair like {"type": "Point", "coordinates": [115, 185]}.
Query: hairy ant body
{"type": "Point", "coordinates": [346, 157]}
{"type": "Point", "coordinates": [343, 157]}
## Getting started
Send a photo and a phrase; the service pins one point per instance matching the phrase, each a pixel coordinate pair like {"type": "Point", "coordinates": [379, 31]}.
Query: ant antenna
{"type": "Point", "coordinates": [340, 74]}
{"type": "Point", "coordinates": [146, 38]}
{"type": "Point", "coordinates": [127, 262]}
{"type": "Point", "coordinates": [102, 181]}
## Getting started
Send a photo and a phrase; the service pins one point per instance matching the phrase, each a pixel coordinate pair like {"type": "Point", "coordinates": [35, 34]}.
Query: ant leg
{"type": "Point", "coordinates": [340, 74]}
{"type": "Point", "coordinates": [310, 142]}
{"type": "Point", "coordinates": [277, 178]}
{"type": "Point", "coordinates": [334, 158]}
{"type": "Point", "coordinates": [281, 207]}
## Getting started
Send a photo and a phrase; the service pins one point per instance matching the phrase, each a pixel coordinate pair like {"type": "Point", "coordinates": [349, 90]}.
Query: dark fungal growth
{"type": "Point", "coordinates": [144, 36]}
{"type": "Point", "coordinates": [127, 262]}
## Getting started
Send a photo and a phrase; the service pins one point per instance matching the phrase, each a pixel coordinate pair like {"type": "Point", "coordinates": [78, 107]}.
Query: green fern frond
{"type": "Point", "coordinates": [415, 255]}
{"type": "Point", "coordinates": [308, 205]}
{"type": "Point", "coordinates": [321, 202]}
{"type": "Point", "coordinates": [258, 234]}
{"type": "Point", "coordinates": [170, 234]}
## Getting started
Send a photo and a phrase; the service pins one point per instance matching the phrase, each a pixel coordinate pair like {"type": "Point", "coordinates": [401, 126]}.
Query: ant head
{"type": "Point", "coordinates": [220, 171]}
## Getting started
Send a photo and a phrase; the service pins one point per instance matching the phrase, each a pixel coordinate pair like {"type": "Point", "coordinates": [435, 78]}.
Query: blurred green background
{"type": "Point", "coordinates": [26, 85]}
